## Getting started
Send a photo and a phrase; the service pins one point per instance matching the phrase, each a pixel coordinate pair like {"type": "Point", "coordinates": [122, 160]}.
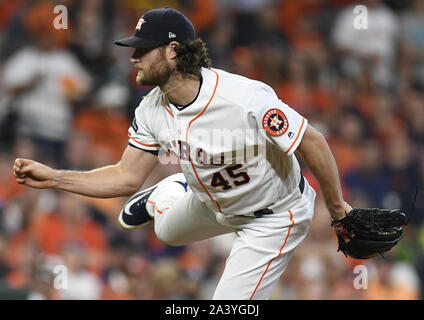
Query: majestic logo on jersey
{"type": "Point", "coordinates": [275, 122]}
{"type": "Point", "coordinates": [140, 22]}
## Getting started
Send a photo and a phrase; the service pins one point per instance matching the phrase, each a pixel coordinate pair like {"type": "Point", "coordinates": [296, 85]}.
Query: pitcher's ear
{"type": "Point", "coordinates": [172, 51]}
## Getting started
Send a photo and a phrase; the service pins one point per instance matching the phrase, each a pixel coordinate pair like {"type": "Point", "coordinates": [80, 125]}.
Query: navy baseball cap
{"type": "Point", "coordinates": [159, 26]}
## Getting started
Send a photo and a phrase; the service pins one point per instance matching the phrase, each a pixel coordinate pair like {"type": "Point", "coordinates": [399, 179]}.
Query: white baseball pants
{"type": "Point", "coordinates": [261, 250]}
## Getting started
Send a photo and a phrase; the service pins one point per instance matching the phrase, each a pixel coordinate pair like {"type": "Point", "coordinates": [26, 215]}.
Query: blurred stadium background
{"type": "Point", "coordinates": [68, 96]}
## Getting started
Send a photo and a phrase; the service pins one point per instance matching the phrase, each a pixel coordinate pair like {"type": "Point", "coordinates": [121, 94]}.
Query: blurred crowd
{"type": "Point", "coordinates": [67, 98]}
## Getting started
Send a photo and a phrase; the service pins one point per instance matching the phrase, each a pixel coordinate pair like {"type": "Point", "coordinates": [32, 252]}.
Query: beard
{"type": "Point", "coordinates": [157, 75]}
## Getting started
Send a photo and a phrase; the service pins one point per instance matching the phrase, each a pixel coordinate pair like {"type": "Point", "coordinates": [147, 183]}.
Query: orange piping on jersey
{"type": "Point", "coordinates": [279, 254]}
{"type": "Point", "coordinates": [147, 145]}
{"type": "Point", "coordinates": [166, 108]}
{"type": "Point", "coordinates": [188, 127]}
{"type": "Point", "coordinates": [297, 137]}
{"type": "Point", "coordinates": [156, 208]}
{"type": "Point", "coordinates": [207, 105]}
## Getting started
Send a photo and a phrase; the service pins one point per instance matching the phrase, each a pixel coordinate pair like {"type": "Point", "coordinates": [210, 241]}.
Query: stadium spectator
{"type": "Point", "coordinates": [43, 79]}
{"type": "Point", "coordinates": [372, 47]}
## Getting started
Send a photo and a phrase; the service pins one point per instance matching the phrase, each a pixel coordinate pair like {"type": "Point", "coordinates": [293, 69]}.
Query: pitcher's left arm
{"type": "Point", "coordinates": [320, 160]}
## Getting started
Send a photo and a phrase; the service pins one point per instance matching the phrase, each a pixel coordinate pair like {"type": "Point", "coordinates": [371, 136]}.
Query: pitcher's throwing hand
{"type": "Point", "coordinates": [33, 174]}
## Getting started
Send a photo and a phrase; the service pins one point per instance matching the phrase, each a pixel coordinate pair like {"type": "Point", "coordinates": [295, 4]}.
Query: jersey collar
{"type": "Point", "coordinates": [181, 107]}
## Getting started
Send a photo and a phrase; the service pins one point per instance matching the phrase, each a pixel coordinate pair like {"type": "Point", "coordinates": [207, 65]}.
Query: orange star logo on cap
{"type": "Point", "coordinates": [141, 21]}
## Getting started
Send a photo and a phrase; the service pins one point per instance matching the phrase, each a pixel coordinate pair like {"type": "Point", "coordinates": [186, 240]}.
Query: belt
{"type": "Point", "coordinates": [261, 212]}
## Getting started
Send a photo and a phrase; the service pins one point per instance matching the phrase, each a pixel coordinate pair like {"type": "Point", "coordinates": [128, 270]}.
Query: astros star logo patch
{"type": "Point", "coordinates": [141, 21]}
{"type": "Point", "coordinates": [275, 122]}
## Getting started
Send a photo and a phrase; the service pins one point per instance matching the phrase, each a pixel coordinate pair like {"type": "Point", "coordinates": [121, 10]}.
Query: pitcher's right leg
{"type": "Point", "coordinates": [179, 217]}
{"type": "Point", "coordinates": [137, 212]}
{"type": "Point", "coordinates": [183, 219]}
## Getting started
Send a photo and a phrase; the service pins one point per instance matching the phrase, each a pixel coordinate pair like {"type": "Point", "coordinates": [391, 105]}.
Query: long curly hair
{"type": "Point", "coordinates": [192, 56]}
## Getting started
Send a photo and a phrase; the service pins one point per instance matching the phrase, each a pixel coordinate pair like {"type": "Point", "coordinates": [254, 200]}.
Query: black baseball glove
{"type": "Point", "coordinates": [372, 231]}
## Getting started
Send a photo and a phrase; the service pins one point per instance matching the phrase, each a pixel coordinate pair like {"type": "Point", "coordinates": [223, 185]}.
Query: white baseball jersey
{"type": "Point", "coordinates": [213, 137]}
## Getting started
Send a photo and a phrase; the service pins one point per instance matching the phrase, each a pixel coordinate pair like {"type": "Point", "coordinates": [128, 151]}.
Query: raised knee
{"type": "Point", "coordinates": [167, 238]}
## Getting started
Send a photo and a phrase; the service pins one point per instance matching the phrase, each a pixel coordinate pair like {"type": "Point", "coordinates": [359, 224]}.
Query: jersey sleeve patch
{"type": "Point", "coordinates": [275, 122]}
{"type": "Point", "coordinates": [141, 138]}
